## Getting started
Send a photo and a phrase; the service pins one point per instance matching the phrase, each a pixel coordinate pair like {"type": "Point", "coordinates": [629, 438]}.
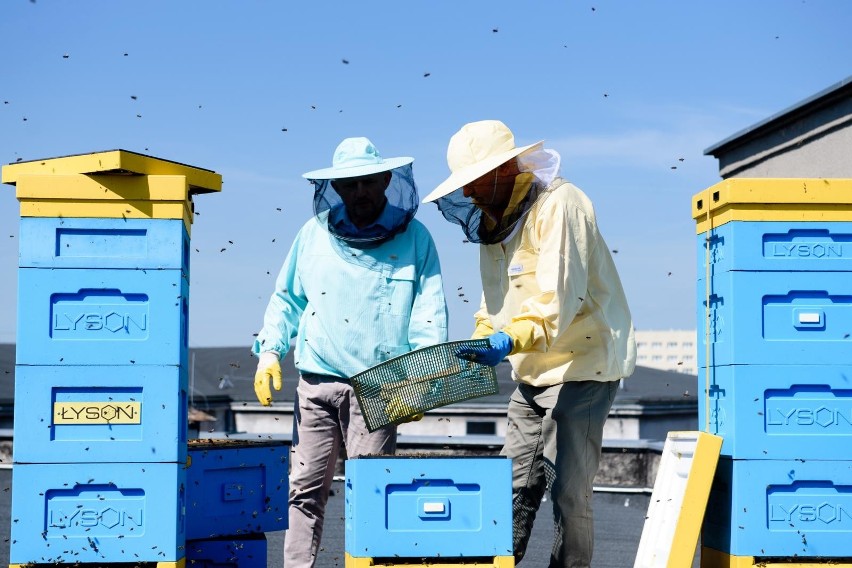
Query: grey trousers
{"type": "Point", "coordinates": [327, 415]}
{"type": "Point", "coordinates": [554, 438]}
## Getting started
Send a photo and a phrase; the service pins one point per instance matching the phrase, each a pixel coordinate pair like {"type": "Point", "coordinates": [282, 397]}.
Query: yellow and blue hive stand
{"type": "Point", "coordinates": [445, 512]}
{"type": "Point", "coordinates": [711, 558]}
{"type": "Point", "coordinates": [99, 472]}
{"type": "Point", "coordinates": [775, 298]}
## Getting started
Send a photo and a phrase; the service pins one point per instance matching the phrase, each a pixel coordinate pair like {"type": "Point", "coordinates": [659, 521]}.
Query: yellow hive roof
{"type": "Point", "coordinates": [115, 162]}
{"type": "Point", "coordinates": [772, 199]}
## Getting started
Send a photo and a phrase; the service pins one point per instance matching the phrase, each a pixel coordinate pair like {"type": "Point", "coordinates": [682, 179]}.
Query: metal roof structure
{"type": "Point", "coordinates": [808, 139]}
{"type": "Point", "coordinates": [824, 98]}
{"type": "Point", "coordinates": [226, 374]}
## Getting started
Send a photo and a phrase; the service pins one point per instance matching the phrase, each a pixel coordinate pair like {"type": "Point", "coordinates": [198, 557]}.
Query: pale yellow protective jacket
{"type": "Point", "coordinates": [554, 288]}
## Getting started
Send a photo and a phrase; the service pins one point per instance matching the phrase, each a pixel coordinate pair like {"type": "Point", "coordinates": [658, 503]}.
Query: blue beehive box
{"type": "Point", "coordinates": [236, 487]}
{"type": "Point", "coordinates": [242, 552]}
{"type": "Point", "coordinates": [779, 411]}
{"type": "Point", "coordinates": [428, 507]}
{"type": "Point", "coordinates": [780, 508]}
{"type": "Point", "coordinates": [96, 512]}
{"type": "Point", "coordinates": [52, 242]}
{"type": "Point", "coordinates": [70, 414]}
{"type": "Point", "coordinates": [104, 317]}
{"type": "Point", "coordinates": [776, 246]}
{"type": "Point", "coordinates": [772, 318]}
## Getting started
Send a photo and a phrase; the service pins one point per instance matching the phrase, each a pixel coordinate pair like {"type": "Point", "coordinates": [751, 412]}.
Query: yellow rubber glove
{"type": "Point", "coordinates": [483, 329]}
{"type": "Point", "coordinates": [522, 333]}
{"type": "Point", "coordinates": [400, 412]}
{"type": "Point", "coordinates": [268, 368]}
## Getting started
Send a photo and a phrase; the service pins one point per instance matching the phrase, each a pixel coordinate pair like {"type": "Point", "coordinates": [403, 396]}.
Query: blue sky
{"type": "Point", "coordinates": [629, 92]}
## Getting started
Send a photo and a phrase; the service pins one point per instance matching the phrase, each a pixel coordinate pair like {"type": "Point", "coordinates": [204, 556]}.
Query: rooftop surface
{"type": "Point", "coordinates": [227, 374]}
{"type": "Point", "coordinates": [619, 519]}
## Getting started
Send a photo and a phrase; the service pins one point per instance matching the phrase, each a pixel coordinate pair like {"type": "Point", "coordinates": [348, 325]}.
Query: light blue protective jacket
{"type": "Point", "coordinates": [352, 308]}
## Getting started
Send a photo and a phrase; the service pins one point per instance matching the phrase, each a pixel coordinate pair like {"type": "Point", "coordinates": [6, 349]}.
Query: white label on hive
{"type": "Point", "coordinates": [812, 317]}
{"type": "Point", "coordinates": [433, 507]}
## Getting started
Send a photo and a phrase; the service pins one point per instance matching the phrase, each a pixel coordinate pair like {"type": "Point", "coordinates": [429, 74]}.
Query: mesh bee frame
{"type": "Point", "coordinates": [400, 388]}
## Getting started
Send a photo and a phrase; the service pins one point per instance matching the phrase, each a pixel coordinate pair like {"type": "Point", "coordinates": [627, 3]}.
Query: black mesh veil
{"type": "Point", "coordinates": [399, 210]}
{"type": "Point", "coordinates": [483, 224]}
{"type": "Point", "coordinates": [479, 228]}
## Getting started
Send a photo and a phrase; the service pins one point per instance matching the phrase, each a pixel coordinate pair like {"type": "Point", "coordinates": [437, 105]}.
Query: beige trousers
{"type": "Point", "coordinates": [554, 438]}
{"type": "Point", "coordinates": [327, 415]}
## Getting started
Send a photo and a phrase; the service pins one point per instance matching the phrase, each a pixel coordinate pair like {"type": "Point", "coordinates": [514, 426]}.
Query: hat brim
{"type": "Point", "coordinates": [466, 175]}
{"type": "Point", "coordinates": [340, 173]}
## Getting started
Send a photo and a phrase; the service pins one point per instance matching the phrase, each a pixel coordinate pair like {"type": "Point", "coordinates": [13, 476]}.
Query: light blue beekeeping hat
{"type": "Point", "coordinates": [356, 157]}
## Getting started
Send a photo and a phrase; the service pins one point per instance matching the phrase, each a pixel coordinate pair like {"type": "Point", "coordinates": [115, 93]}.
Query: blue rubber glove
{"type": "Point", "coordinates": [500, 345]}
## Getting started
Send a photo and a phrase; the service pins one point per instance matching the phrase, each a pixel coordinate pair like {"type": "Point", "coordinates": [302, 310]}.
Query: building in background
{"type": "Point", "coordinates": [810, 139]}
{"type": "Point", "coordinates": [669, 350]}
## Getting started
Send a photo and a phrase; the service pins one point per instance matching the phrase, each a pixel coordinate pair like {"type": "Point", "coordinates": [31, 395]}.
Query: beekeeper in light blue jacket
{"type": "Point", "coordinates": [360, 285]}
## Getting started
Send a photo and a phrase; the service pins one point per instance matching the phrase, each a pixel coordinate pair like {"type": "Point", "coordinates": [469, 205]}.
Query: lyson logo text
{"type": "Point", "coordinates": [813, 514]}
{"type": "Point", "coordinates": [819, 418]}
{"type": "Point", "coordinates": [805, 250]}
{"type": "Point", "coordinates": [106, 324]}
{"type": "Point", "coordinates": [97, 413]}
{"type": "Point", "coordinates": [92, 520]}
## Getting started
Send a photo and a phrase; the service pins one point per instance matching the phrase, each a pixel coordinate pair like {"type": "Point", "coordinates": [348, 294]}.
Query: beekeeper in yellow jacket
{"type": "Point", "coordinates": [554, 304]}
